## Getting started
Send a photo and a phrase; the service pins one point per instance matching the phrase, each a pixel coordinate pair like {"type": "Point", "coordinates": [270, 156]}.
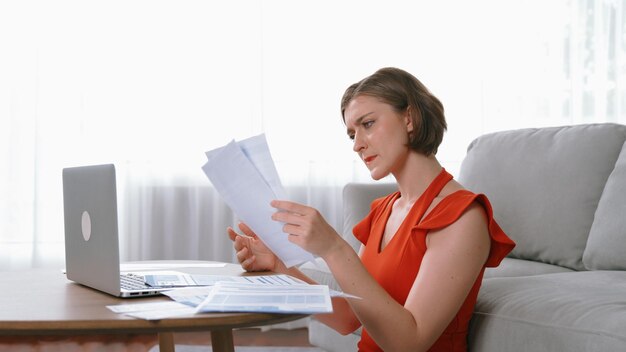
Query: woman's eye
{"type": "Point", "coordinates": [351, 136]}
{"type": "Point", "coordinates": [368, 124]}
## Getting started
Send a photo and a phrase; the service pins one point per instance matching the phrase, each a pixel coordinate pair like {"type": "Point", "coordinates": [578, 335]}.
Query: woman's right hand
{"type": "Point", "coordinates": [252, 253]}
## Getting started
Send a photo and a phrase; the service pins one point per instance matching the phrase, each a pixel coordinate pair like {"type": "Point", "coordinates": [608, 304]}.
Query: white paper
{"type": "Point", "coordinates": [153, 310]}
{"type": "Point", "coordinates": [244, 175]}
{"type": "Point", "coordinates": [189, 296]}
{"type": "Point", "coordinates": [160, 266]}
{"type": "Point", "coordinates": [257, 151]}
{"type": "Point", "coordinates": [139, 307]}
{"type": "Point", "coordinates": [194, 296]}
{"type": "Point", "coordinates": [176, 279]}
{"type": "Point", "coordinates": [162, 314]}
{"type": "Point", "coordinates": [168, 279]}
{"type": "Point", "coordinates": [246, 297]}
{"type": "Point", "coordinates": [334, 293]}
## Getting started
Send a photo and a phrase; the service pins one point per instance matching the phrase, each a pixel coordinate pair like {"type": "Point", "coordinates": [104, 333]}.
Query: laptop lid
{"type": "Point", "coordinates": [91, 229]}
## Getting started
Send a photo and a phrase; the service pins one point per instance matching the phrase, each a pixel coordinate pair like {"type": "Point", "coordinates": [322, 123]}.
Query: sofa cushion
{"type": "Point", "coordinates": [510, 267]}
{"type": "Point", "coordinates": [606, 245]}
{"type": "Point", "coordinates": [578, 311]}
{"type": "Point", "coordinates": [328, 339]}
{"type": "Point", "coordinates": [544, 185]}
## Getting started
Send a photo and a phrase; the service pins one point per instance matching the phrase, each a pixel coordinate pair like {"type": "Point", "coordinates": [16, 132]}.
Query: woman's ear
{"type": "Point", "coordinates": [408, 120]}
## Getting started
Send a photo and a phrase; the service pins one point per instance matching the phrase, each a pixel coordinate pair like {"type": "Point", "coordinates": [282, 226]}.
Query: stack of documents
{"type": "Point", "coordinates": [245, 176]}
{"type": "Point", "coordinates": [260, 294]}
{"type": "Point", "coordinates": [258, 298]}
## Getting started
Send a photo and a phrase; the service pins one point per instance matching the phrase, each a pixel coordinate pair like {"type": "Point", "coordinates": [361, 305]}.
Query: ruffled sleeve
{"type": "Point", "coordinates": [363, 229]}
{"type": "Point", "coordinates": [453, 206]}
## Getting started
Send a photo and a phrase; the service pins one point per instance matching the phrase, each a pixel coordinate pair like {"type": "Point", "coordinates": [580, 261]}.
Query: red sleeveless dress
{"type": "Point", "coordinates": [396, 267]}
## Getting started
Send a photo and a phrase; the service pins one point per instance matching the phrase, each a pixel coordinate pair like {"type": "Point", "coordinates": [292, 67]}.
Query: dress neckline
{"type": "Point", "coordinates": [417, 211]}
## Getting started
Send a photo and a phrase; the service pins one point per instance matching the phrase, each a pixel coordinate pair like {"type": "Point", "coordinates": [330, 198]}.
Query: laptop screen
{"type": "Point", "coordinates": [91, 228]}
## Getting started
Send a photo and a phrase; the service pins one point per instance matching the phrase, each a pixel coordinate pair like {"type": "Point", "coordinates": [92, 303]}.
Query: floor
{"type": "Point", "coordinates": [249, 340]}
{"type": "Point", "coordinates": [251, 337]}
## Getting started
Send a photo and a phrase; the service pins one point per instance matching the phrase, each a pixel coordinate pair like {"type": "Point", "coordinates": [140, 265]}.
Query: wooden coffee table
{"type": "Point", "coordinates": [43, 302]}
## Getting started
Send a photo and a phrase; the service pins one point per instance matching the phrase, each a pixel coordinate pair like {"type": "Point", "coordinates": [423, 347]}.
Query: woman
{"type": "Point", "coordinates": [424, 248]}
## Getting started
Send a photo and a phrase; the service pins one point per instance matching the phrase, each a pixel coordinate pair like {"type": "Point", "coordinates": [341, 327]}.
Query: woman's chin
{"type": "Point", "coordinates": [376, 176]}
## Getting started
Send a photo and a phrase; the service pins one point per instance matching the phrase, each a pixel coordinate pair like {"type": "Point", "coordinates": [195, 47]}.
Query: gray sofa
{"type": "Point", "coordinates": [560, 193]}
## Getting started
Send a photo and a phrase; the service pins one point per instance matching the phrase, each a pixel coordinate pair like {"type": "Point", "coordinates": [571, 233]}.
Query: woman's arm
{"type": "Point", "coordinates": [253, 255]}
{"type": "Point", "coordinates": [453, 260]}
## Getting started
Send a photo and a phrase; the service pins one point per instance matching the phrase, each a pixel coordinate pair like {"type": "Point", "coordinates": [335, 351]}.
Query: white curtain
{"type": "Point", "coordinates": [151, 85]}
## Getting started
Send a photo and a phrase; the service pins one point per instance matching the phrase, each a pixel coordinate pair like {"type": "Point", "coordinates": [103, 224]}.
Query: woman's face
{"type": "Point", "coordinates": [380, 134]}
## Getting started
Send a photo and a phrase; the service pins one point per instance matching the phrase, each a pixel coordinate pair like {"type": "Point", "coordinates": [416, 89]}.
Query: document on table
{"type": "Point", "coordinates": [247, 297]}
{"type": "Point", "coordinates": [267, 294]}
{"type": "Point", "coordinates": [264, 293]}
{"type": "Point", "coordinates": [244, 175]}
{"type": "Point", "coordinates": [177, 279]}
{"type": "Point", "coordinates": [153, 310]}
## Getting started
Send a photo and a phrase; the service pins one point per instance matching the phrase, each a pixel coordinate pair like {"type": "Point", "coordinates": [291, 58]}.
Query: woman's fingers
{"type": "Point", "coordinates": [291, 207]}
{"type": "Point", "coordinates": [248, 263]}
{"type": "Point", "coordinates": [289, 218]}
{"type": "Point", "coordinates": [293, 229]}
{"type": "Point", "coordinates": [247, 246]}
{"type": "Point", "coordinates": [243, 254]}
{"type": "Point", "coordinates": [246, 230]}
{"type": "Point", "coordinates": [231, 233]}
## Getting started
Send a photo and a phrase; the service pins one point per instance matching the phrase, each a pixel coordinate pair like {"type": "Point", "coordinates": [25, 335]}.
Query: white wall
{"type": "Point", "coordinates": [151, 85]}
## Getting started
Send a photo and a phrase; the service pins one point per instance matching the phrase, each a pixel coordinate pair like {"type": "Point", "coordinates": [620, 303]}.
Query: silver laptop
{"type": "Point", "coordinates": [91, 233]}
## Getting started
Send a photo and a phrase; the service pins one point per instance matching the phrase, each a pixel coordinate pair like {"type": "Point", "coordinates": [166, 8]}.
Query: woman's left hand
{"type": "Point", "coordinates": [306, 227]}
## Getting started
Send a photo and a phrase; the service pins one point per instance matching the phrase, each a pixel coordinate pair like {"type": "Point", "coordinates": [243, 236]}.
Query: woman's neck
{"type": "Point", "coordinates": [416, 175]}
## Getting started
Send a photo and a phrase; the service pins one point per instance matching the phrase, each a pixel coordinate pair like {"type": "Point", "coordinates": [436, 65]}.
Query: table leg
{"type": "Point", "coordinates": [222, 340]}
{"type": "Point", "coordinates": [166, 342]}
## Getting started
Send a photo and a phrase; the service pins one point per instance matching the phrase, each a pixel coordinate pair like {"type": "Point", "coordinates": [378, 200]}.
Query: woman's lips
{"type": "Point", "coordinates": [369, 159]}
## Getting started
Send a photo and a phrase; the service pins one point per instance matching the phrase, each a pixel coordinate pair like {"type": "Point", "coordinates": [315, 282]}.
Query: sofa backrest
{"type": "Point", "coordinates": [545, 185]}
{"type": "Point", "coordinates": [606, 245]}
{"type": "Point", "coordinates": [357, 198]}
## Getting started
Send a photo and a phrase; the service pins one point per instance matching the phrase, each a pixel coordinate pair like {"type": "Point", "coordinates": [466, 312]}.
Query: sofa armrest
{"type": "Point", "coordinates": [357, 198]}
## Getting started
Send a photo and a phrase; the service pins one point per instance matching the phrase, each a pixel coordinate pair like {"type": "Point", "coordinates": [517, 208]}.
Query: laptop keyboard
{"type": "Point", "coordinates": [132, 282]}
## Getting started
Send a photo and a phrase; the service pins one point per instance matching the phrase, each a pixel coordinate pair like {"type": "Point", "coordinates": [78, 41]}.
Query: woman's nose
{"type": "Point", "coordinates": [358, 143]}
